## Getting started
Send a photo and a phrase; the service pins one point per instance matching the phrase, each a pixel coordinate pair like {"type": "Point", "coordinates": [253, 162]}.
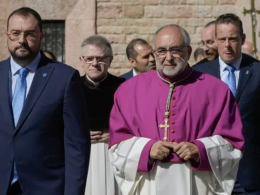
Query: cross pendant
{"type": "Point", "coordinates": [165, 126]}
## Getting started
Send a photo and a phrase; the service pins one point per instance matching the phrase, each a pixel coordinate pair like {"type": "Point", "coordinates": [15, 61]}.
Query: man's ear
{"type": "Point", "coordinates": [111, 59]}
{"type": "Point", "coordinates": [132, 62]}
{"type": "Point", "coordinates": [243, 39]}
{"type": "Point", "coordinates": [189, 51]}
{"type": "Point", "coordinates": [82, 61]}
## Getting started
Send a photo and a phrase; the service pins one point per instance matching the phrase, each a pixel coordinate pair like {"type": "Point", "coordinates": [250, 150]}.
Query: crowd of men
{"type": "Point", "coordinates": [164, 127]}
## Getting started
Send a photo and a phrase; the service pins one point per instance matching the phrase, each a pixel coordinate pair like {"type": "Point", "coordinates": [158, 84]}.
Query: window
{"type": "Point", "coordinates": [54, 38]}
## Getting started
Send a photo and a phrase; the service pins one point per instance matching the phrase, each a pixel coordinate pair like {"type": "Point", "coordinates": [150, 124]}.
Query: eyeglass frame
{"type": "Point", "coordinates": [201, 44]}
{"type": "Point", "coordinates": [24, 33]}
{"type": "Point", "coordinates": [169, 50]}
{"type": "Point", "coordinates": [95, 57]}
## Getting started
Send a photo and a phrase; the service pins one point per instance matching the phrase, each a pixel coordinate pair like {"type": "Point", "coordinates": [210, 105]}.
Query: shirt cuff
{"type": "Point", "coordinates": [202, 163]}
{"type": "Point", "coordinates": [145, 163]}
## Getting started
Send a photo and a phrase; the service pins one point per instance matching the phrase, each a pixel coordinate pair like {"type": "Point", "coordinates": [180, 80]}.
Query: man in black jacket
{"type": "Point", "coordinates": [99, 87]}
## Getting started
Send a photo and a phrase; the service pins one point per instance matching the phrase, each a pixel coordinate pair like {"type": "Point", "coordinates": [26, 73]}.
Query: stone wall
{"type": "Point", "coordinates": [122, 20]}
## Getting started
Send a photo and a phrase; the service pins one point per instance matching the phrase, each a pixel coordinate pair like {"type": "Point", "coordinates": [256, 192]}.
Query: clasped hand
{"type": "Point", "coordinates": [101, 135]}
{"type": "Point", "coordinates": [185, 150]}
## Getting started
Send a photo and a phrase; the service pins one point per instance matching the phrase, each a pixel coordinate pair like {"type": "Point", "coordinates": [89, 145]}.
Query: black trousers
{"type": "Point", "coordinates": [14, 189]}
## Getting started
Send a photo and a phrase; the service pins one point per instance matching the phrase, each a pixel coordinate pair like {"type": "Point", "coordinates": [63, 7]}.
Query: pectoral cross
{"type": "Point", "coordinates": [253, 13]}
{"type": "Point", "coordinates": [165, 126]}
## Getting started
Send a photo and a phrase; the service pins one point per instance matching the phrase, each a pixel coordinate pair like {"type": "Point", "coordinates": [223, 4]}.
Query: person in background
{"type": "Point", "coordinates": [248, 48]}
{"type": "Point", "coordinates": [99, 87]}
{"type": "Point", "coordinates": [208, 42]}
{"type": "Point", "coordinates": [50, 55]}
{"type": "Point", "coordinates": [140, 56]}
{"type": "Point", "coordinates": [199, 55]}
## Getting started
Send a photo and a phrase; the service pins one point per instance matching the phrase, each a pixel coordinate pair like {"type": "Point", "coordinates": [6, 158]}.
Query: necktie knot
{"type": "Point", "coordinates": [23, 72]}
{"type": "Point", "coordinates": [230, 69]}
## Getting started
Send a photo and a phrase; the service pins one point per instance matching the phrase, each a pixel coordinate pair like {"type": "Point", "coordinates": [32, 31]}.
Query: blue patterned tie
{"type": "Point", "coordinates": [18, 101]}
{"type": "Point", "coordinates": [231, 79]}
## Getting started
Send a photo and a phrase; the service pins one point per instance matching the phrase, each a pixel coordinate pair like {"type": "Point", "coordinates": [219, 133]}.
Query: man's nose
{"type": "Point", "coordinates": [227, 43]}
{"type": "Point", "coordinates": [95, 61]}
{"type": "Point", "coordinates": [151, 58]}
{"type": "Point", "coordinates": [22, 38]}
{"type": "Point", "coordinates": [168, 56]}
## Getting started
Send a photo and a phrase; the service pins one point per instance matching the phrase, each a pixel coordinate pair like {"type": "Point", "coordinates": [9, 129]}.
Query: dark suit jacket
{"type": "Point", "coordinates": [127, 75]}
{"type": "Point", "coordinates": [50, 144]}
{"type": "Point", "coordinates": [248, 99]}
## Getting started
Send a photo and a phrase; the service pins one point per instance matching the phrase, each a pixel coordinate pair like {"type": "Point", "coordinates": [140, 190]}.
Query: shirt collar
{"type": "Point", "coordinates": [32, 66]}
{"type": "Point", "coordinates": [96, 84]}
{"type": "Point", "coordinates": [134, 73]}
{"type": "Point", "coordinates": [223, 65]}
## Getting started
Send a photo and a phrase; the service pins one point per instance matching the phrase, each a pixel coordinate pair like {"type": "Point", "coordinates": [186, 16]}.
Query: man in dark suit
{"type": "Point", "coordinates": [140, 56]}
{"type": "Point", "coordinates": [44, 136]}
{"type": "Point", "coordinates": [241, 73]}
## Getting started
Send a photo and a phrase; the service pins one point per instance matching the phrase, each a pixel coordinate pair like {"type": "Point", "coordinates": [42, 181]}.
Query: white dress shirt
{"type": "Point", "coordinates": [134, 73]}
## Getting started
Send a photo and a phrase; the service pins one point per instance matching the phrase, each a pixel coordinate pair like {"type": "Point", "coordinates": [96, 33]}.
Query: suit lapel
{"type": "Point", "coordinates": [41, 77]}
{"type": "Point", "coordinates": [246, 71]}
{"type": "Point", "coordinates": [214, 68]}
{"type": "Point", "coordinates": [5, 103]}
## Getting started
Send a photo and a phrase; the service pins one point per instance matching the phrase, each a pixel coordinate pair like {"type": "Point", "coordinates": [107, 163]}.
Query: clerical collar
{"type": "Point", "coordinates": [223, 65]}
{"type": "Point", "coordinates": [32, 66]}
{"type": "Point", "coordinates": [96, 84]}
{"type": "Point", "coordinates": [186, 73]}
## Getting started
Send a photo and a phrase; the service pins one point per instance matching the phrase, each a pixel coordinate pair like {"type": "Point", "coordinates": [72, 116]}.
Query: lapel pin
{"type": "Point", "coordinates": [44, 74]}
{"type": "Point", "coordinates": [247, 71]}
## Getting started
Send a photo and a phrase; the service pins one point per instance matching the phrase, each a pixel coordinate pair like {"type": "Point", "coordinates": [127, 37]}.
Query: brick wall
{"type": "Point", "coordinates": [122, 20]}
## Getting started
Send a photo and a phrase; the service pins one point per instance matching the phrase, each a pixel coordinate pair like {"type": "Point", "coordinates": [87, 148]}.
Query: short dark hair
{"type": "Point", "coordinates": [130, 51]}
{"type": "Point", "coordinates": [230, 18]}
{"type": "Point", "coordinates": [197, 52]}
{"type": "Point", "coordinates": [210, 23]}
{"type": "Point", "coordinates": [26, 11]}
{"type": "Point", "coordinates": [51, 54]}
{"type": "Point", "coordinates": [98, 41]}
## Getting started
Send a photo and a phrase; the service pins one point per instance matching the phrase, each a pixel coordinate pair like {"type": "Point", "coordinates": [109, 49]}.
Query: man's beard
{"type": "Point", "coordinates": [23, 57]}
{"type": "Point", "coordinates": [178, 67]}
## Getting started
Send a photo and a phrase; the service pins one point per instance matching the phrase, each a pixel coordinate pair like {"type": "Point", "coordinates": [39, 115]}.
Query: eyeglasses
{"type": "Point", "coordinates": [90, 59]}
{"type": "Point", "coordinates": [208, 44]}
{"type": "Point", "coordinates": [174, 51]}
{"type": "Point", "coordinates": [29, 35]}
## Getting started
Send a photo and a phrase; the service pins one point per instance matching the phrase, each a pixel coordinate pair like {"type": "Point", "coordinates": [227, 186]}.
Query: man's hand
{"type": "Point", "coordinates": [95, 136]}
{"type": "Point", "coordinates": [101, 135]}
{"type": "Point", "coordinates": [186, 150]}
{"type": "Point", "coordinates": [105, 136]}
{"type": "Point", "coordinates": [160, 150]}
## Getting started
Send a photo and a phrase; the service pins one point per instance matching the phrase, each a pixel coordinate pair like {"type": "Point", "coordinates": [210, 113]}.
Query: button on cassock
{"type": "Point", "coordinates": [172, 131]}
{"type": "Point", "coordinates": [173, 98]}
{"type": "Point", "coordinates": [173, 114]}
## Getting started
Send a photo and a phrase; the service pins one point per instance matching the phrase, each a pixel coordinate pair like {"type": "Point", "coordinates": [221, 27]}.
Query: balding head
{"type": "Point", "coordinates": [208, 41]}
{"type": "Point", "coordinates": [186, 37]}
{"type": "Point", "coordinates": [248, 48]}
